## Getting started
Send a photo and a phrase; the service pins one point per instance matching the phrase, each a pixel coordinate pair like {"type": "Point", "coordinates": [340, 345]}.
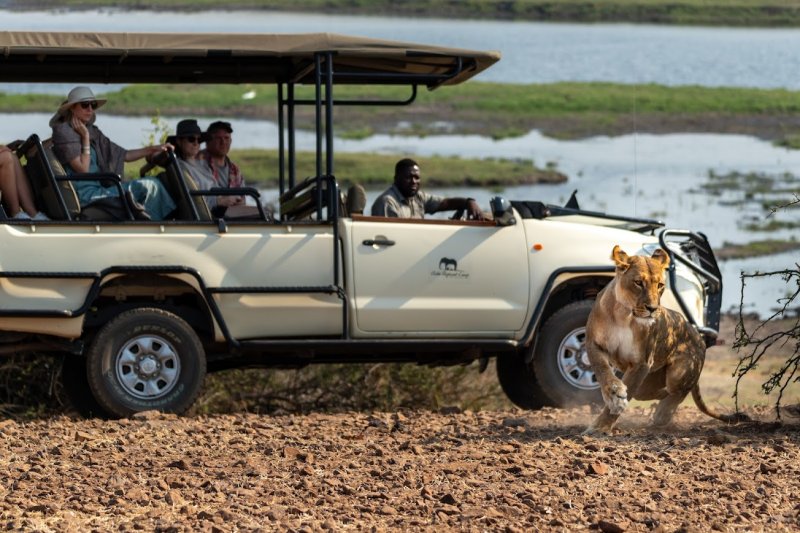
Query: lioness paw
{"type": "Point", "coordinates": [617, 400]}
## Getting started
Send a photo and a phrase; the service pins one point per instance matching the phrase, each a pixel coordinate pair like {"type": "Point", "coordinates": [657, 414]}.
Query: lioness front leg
{"type": "Point", "coordinates": [614, 391]}
{"type": "Point", "coordinates": [629, 385]}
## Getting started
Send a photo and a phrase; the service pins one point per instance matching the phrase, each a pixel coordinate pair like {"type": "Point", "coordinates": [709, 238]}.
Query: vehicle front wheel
{"type": "Point", "coordinates": [145, 359]}
{"type": "Point", "coordinates": [560, 360]}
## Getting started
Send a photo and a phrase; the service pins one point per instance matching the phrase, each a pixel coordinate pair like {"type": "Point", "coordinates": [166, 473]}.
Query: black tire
{"type": "Point", "coordinates": [519, 382]}
{"type": "Point", "coordinates": [560, 361]}
{"type": "Point", "coordinates": [75, 386]}
{"type": "Point", "coordinates": [146, 359]}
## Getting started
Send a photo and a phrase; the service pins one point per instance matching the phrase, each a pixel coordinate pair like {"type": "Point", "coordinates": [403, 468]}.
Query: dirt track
{"type": "Point", "coordinates": [498, 471]}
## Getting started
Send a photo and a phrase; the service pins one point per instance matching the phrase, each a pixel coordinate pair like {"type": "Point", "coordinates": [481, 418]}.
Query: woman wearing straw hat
{"type": "Point", "coordinates": [82, 148]}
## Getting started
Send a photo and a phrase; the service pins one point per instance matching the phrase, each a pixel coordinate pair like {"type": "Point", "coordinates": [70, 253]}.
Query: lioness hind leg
{"type": "Point", "coordinates": [680, 376]}
{"type": "Point", "coordinates": [666, 409]}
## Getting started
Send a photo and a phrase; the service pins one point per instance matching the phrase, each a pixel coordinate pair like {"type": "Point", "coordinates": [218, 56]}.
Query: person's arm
{"type": "Point", "coordinates": [468, 204]}
{"type": "Point", "coordinates": [148, 152]}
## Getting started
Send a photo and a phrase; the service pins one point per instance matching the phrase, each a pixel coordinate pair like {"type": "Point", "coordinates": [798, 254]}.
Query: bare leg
{"type": "Point", "coordinates": [8, 182]}
{"type": "Point", "coordinates": [24, 192]}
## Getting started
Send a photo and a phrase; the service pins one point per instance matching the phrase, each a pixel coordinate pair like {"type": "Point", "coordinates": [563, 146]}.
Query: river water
{"type": "Point", "coordinates": [532, 52]}
{"type": "Point", "coordinates": [656, 176]}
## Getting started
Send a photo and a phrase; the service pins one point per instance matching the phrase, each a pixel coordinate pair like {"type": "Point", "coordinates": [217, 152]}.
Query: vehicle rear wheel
{"type": "Point", "coordinates": [146, 359]}
{"type": "Point", "coordinates": [518, 381]}
{"type": "Point", "coordinates": [561, 362]}
{"type": "Point", "coordinates": [76, 388]}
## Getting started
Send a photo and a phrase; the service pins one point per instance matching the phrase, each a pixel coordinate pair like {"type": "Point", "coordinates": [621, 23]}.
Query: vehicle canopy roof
{"type": "Point", "coordinates": [88, 57]}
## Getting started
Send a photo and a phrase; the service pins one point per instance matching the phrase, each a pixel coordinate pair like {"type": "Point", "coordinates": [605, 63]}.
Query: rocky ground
{"type": "Point", "coordinates": [497, 469]}
{"type": "Point", "coordinates": [410, 470]}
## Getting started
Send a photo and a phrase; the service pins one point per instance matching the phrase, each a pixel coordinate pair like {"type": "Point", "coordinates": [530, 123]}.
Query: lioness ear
{"type": "Point", "coordinates": [619, 257]}
{"type": "Point", "coordinates": [661, 257]}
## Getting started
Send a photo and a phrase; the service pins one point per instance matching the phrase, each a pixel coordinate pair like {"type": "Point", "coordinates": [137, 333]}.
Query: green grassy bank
{"type": "Point", "coordinates": [697, 12]}
{"type": "Point", "coordinates": [564, 110]}
{"type": "Point", "coordinates": [376, 170]}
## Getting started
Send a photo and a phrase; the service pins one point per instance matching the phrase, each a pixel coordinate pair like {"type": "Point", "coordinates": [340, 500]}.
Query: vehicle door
{"type": "Point", "coordinates": [458, 278]}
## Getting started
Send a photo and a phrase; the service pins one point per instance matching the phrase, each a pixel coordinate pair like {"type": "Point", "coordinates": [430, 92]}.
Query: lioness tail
{"type": "Point", "coordinates": [734, 418]}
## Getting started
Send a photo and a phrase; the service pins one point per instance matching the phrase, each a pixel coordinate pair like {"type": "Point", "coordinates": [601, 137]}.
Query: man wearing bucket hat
{"type": "Point", "coordinates": [224, 172]}
{"type": "Point", "coordinates": [82, 148]}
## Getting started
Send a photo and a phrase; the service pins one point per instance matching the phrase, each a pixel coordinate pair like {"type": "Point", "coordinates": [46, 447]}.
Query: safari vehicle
{"type": "Point", "coordinates": [144, 309]}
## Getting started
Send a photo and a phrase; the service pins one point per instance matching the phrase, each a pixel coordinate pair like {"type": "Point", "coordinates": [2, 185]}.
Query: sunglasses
{"type": "Point", "coordinates": [193, 140]}
{"type": "Point", "coordinates": [87, 105]}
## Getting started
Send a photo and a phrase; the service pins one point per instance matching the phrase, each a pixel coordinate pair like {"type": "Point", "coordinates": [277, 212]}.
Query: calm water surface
{"type": "Point", "coordinates": [532, 52]}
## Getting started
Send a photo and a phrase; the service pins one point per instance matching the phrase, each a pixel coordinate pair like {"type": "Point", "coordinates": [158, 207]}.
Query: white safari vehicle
{"type": "Point", "coordinates": [144, 309]}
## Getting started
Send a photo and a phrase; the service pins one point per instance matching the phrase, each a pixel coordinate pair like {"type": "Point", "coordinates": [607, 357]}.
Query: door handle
{"type": "Point", "coordinates": [378, 242]}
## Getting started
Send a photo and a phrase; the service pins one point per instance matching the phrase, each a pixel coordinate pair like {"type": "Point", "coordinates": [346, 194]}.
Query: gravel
{"type": "Point", "coordinates": [409, 470]}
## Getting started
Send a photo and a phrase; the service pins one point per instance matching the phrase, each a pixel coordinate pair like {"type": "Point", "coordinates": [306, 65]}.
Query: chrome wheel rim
{"type": "Point", "coordinates": [148, 367]}
{"type": "Point", "coordinates": [573, 361]}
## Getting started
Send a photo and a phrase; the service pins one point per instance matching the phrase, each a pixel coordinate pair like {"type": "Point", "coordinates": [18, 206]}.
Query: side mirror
{"type": "Point", "coordinates": [502, 212]}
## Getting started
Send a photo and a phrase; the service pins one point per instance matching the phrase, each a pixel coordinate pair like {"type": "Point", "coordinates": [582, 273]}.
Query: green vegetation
{"type": "Point", "coordinates": [706, 12]}
{"type": "Point", "coordinates": [755, 249]}
{"type": "Point", "coordinates": [768, 190]}
{"type": "Point", "coordinates": [376, 170]}
{"type": "Point", "coordinates": [772, 225]}
{"type": "Point", "coordinates": [563, 110]}
{"type": "Point", "coordinates": [791, 142]}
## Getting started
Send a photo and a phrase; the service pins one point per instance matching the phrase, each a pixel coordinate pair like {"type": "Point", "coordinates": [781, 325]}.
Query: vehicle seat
{"type": "Point", "coordinates": [57, 199]}
{"type": "Point", "coordinates": [300, 202]}
{"type": "Point", "coordinates": [355, 202]}
{"type": "Point", "coordinates": [179, 186]}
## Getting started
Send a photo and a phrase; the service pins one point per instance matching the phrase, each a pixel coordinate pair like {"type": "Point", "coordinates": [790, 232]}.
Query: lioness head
{"type": "Point", "coordinates": [640, 281]}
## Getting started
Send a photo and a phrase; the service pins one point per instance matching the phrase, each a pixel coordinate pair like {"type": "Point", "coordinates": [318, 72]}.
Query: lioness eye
{"type": "Point", "coordinates": [638, 282]}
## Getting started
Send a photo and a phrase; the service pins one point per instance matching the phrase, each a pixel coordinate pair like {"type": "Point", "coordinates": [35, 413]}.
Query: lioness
{"type": "Point", "coordinates": [659, 352]}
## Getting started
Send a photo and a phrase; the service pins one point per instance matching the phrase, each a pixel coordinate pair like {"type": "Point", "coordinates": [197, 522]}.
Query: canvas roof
{"type": "Point", "coordinates": [88, 57]}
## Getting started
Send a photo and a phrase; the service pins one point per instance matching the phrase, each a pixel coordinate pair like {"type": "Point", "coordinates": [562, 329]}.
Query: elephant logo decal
{"type": "Point", "coordinates": [448, 269]}
{"type": "Point", "coordinates": [448, 264]}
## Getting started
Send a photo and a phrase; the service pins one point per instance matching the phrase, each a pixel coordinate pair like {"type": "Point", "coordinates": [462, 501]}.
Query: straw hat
{"type": "Point", "coordinates": [76, 96]}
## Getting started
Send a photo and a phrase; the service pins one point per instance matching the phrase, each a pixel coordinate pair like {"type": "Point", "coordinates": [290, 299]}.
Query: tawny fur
{"type": "Point", "coordinates": [660, 354]}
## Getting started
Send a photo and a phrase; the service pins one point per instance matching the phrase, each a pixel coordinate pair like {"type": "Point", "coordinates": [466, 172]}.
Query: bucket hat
{"type": "Point", "coordinates": [186, 128]}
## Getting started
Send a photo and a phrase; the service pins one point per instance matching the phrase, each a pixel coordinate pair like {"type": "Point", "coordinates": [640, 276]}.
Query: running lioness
{"type": "Point", "coordinates": [660, 353]}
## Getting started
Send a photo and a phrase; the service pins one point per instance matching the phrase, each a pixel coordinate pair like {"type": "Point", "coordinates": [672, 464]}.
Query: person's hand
{"type": "Point", "coordinates": [157, 150]}
{"type": "Point", "coordinates": [230, 201]}
{"type": "Point", "coordinates": [160, 148]}
{"type": "Point", "coordinates": [80, 128]}
{"type": "Point", "coordinates": [4, 148]}
{"type": "Point", "coordinates": [474, 211]}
